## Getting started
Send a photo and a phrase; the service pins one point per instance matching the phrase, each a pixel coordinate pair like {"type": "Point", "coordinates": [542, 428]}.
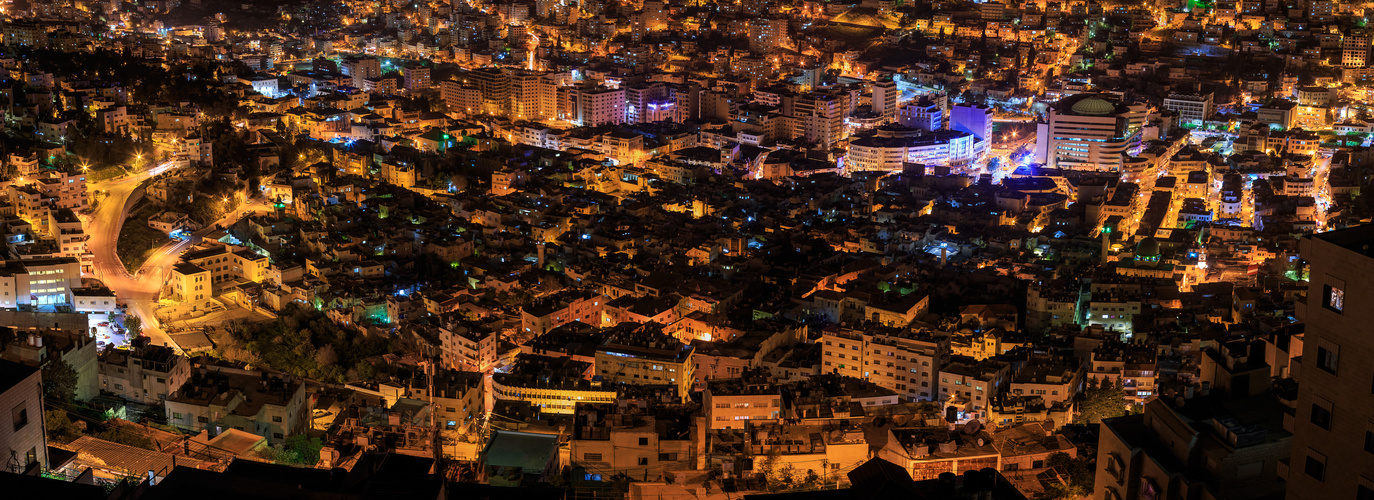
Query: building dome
{"type": "Point", "coordinates": [1147, 251]}
{"type": "Point", "coordinates": [1093, 106]}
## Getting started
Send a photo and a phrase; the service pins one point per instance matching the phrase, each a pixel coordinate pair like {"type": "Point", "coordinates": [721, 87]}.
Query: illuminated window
{"type": "Point", "coordinates": [1334, 298]}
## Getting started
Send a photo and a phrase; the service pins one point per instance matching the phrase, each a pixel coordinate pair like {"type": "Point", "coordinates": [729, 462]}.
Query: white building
{"type": "Point", "coordinates": [892, 146]}
{"type": "Point", "coordinates": [1192, 109]}
{"type": "Point", "coordinates": [1089, 132]}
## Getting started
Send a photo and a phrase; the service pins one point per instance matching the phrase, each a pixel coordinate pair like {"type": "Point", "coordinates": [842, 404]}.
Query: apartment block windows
{"type": "Point", "coordinates": [1328, 356]}
{"type": "Point", "coordinates": [1315, 465]}
{"type": "Point", "coordinates": [1333, 295]}
{"type": "Point", "coordinates": [1321, 412]}
{"type": "Point", "coordinates": [20, 415]}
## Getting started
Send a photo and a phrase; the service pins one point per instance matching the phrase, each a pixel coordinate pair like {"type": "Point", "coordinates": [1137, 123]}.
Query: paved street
{"type": "Point", "coordinates": [139, 290]}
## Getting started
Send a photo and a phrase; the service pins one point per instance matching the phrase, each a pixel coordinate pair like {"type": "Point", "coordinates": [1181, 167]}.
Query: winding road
{"type": "Point", "coordinates": [139, 290]}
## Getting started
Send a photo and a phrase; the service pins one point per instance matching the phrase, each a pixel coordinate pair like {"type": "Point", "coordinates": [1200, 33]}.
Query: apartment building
{"type": "Point", "coordinates": [1333, 430]}
{"type": "Point", "coordinates": [39, 282]}
{"type": "Point", "coordinates": [145, 374]}
{"type": "Point", "coordinates": [1192, 109]}
{"type": "Point", "coordinates": [627, 439]}
{"type": "Point", "coordinates": [216, 398]}
{"type": "Point", "coordinates": [467, 346]}
{"type": "Point", "coordinates": [905, 361]}
{"type": "Point", "coordinates": [643, 355]}
{"type": "Point", "coordinates": [730, 403]}
{"type": "Point", "coordinates": [23, 439]}
{"type": "Point", "coordinates": [971, 385]}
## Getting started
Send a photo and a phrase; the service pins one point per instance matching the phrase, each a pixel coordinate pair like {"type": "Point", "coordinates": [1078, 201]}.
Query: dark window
{"type": "Point", "coordinates": [1315, 468]}
{"type": "Point", "coordinates": [1369, 441]}
{"type": "Point", "coordinates": [644, 441]}
{"type": "Point", "coordinates": [20, 414]}
{"type": "Point", "coordinates": [1326, 359]}
{"type": "Point", "coordinates": [1321, 416]}
{"type": "Point", "coordinates": [643, 460]}
{"type": "Point", "coordinates": [276, 435]}
{"type": "Point", "coordinates": [1364, 493]}
{"type": "Point", "coordinates": [276, 419]}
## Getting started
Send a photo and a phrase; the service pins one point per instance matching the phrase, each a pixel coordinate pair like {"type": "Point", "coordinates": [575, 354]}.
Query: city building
{"type": "Point", "coordinates": [23, 438]}
{"type": "Point", "coordinates": [1335, 404]}
{"type": "Point", "coordinates": [1089, 132]}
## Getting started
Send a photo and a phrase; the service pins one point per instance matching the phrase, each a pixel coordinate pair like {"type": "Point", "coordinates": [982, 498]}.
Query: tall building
{"type": "Point", "coordinates": [597, 106]}
{"type": "Point", "coordinates": [1333, 429]}
{"type": "Point", "coordinates": [818, 117]}
{"type": "Point", "coordinates": [639, 98]}
{"type": "Point", "coordinates": [1355, 50]}
{"type": "Point", "coordinates": [417, 78]}
{"type": "Point", "coordinates": [974, 119]}
{"type": "Point", "coordinates": [923, 114]}
{"type": "Point", "coordinates": [494, 85]}
{"type": "Point", "coordinates": [534, 96]}
{"type": "Point", "coordinates": [1089, 132]}
{"type": "Point", "coordinates": [460, 97]}
{"type": "Point", "coordinates": [360, 69]}
{"type": "Point", "coordinates": [765, 34]}
{"type": "Point", "coordinates": [885, 95]}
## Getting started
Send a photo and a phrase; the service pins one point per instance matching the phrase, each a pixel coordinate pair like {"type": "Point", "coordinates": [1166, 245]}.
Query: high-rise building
{"type": "Point", "coordinates": [765, 34]}
{"type": "Point", "coordinates": [1355, 50]}
{"type": "Point", "coordinates": [495, 87]}
{"type": "Point", "coordinates": [974, 119]}
{"type": "Point", "coordinates": [417, 78]}
{"type": "Point", "coordinates": [885, 95]}
{"type": "Point", "coordinates": [818, 117]}
{"type": "Point", "coordinates": [460, 97]}
{"type": "Point", "coordinates": [638, 98]}
{"type": "Point", "coordinates": [533, 97]}
{"type": "Point", "coordinates": [597, 106]}
{"type": "Point", "coordinates": [360, 69]}
{"type": "Point", "coordinates": [1089, 132]}
{"type": "Point", "coordinates": [1333, 428]}
{"type": "Point", "coordinates": [898, 359]}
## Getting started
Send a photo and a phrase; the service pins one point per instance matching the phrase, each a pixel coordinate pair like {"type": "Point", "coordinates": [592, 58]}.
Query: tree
{"type": "Point", "coordinates": [1077, 476]}
{"type": "Point", "coordinates": [1104, 400]}
{"type": "Point", "coordinates": [116, 434]}
{"type": "Point", "coordinates": [305, 448]}
{"type": "Point", "coordinates": [61, 429]}
{"type": "Point", "coordinates": [326, 356]}
{"type": "Point", "coordinates": [365, 370]}
{"type": "Point", "coordinates": [134, 324]}
{"type": "Point", "coordinates": [59, 381]}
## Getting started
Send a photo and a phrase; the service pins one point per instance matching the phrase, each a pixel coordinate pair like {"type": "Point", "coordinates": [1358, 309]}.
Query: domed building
{"type": "Point", "coordinates": [1089, 132]}
{"type": "Point", "coordinates": [1147, 252]}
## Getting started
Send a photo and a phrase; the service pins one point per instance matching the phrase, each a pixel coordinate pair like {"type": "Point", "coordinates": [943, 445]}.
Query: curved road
{"type": "Point", "coordinates": [139, 291]}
